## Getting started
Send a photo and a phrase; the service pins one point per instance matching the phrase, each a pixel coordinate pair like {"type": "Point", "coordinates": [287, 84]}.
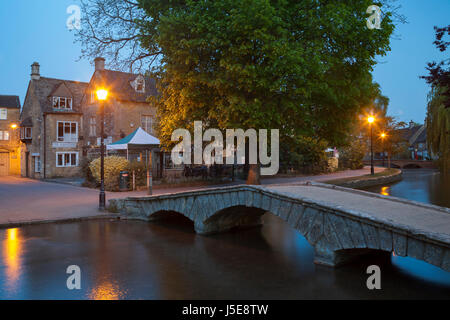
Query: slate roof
{"type": "Point", "coordinates": [27, 122]}
{"type": "Point", "coordinates": [9, 101]}
{"type": "Point", "coordinates": [44, 87]}
{"type": "Point", "coordinates": [119, 84]}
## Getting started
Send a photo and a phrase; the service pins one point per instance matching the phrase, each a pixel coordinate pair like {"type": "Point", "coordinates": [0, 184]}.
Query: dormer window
{"type": "Point", "coordinates": [62, 103]}
{"type": "Point", "coordinates": [139, 84]}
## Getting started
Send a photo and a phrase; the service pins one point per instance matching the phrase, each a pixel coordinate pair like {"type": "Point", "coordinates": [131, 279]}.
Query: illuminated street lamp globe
{"type": "Point", "coordinates": [371, 119]}
{"type": "Point", "coordinates": [102, 94]}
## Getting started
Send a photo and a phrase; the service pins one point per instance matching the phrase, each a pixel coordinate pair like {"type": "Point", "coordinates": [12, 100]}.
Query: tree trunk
{"type": "Point", "coordinates": [389, 160]}
{"type": "Point", "coordinates": [254, 173]}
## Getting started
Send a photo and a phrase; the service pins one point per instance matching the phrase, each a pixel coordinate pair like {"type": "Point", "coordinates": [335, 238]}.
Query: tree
{"type": "Point", "coordinates": [300, 66]}
{"type": "Point", "coordinates": [438, 126]}
{"type": "Point", "coordinates": [439, 73]}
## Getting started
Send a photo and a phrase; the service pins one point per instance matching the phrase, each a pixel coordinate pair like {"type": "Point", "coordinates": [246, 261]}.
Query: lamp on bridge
{"type": "Point", "coordinates": [102, 95]}
{"type": "Point", "coordinates": [371, 120]}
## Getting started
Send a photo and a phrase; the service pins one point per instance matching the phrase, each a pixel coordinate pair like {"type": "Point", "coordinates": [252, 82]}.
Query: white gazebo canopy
{"type": "Point", "coordinates": [139, 138]}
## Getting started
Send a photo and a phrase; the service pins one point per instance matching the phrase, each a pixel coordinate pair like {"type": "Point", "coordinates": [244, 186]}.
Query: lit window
{"type": "Point", "coordinates": [4, 135]}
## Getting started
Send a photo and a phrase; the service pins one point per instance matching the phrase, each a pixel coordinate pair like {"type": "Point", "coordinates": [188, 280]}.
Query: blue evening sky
{"type": "Point", "coordinates": [32, 30]}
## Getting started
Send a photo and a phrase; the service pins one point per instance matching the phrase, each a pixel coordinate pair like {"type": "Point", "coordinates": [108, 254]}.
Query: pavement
{"type": "Point", "coordinates": [24, 201]}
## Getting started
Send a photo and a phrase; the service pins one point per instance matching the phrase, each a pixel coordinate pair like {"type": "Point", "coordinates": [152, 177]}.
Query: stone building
{"type": "Point", "coordinates": [9, 139]}
{"type": "Point", "coordinates": [50, 127]}
{"type": "Point", "coordinates": [126, 109]}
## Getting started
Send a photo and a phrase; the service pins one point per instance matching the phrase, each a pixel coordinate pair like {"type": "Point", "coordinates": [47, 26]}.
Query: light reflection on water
{"type": "Point", "coordinates": [167, 260]}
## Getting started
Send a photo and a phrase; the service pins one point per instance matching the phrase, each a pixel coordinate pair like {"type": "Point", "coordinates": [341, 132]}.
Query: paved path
{"type": "Point", "coordinates": [26, 200]}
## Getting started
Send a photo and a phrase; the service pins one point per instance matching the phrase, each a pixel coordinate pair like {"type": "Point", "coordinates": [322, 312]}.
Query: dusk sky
{"type": "Point", "coordinates": [36, 31]}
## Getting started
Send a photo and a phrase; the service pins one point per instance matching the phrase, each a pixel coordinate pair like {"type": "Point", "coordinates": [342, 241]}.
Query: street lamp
{"type": "Point", "coordinates": [371, 120]}
{"type": "Point", "coordinates": [382, 136]}
{"type": "Point", "coordinates": [102, 94]}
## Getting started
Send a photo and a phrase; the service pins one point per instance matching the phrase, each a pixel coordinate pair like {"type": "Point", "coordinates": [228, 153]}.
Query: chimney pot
{"type": "Point", "coordinates": [99, 64]}
{"type": "Point", "coordinates": [35, 72]}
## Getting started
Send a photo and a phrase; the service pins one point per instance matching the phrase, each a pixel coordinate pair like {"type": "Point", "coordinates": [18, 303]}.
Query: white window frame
{"type": "Point", "coordinates": [24, 131]}
{"type": "Point", "coordinates": [67, 103]}
{"type": "Point", "coordinates": [4, 135]}
{"type": "Point", "coordinates": [3, 114]}
{"type": "Point", "coordinates": [37, 164]}
{"type": "Point", "coordinates": [93, 126]}
{"type": "Point", "coordinates": [140, 80]}
{"type": "Point", "coordinates": [72, 137]}
{"type": "Point", "coordinates": [144, 127]}
{"type": "Point", "coordinates": [64, 164]}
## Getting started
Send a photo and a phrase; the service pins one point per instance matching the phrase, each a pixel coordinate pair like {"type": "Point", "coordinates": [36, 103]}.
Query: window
{"type": "Point", "coordinates": [147, 123]}
{"type": "Point", "coordinates": [92, 126]}
{"type": "Point", "coordinates": [37, 164]}
{"type": "Point", "coordinates": [25, 133]}
{"type": "Point", "coordinates": [92, 97]}
{"type": "Point", "coordinates": [3, 113]}
{"type": "Point", "coordinates": [106, 141]}
{"type": "Point", "coordinates": [67, 131]}
{"type": "Point", "coordinates": [67, 159]}
{"type": "Point", "coordinates": [62, 103]}
{"type": "Point", "coordinates": [4, 135]}
{"type": "Point", "coordinates": [140, 84]}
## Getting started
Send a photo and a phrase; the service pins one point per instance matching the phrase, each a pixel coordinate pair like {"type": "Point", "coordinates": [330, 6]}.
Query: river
{"type": "Point", "coordinates": [167, 260]}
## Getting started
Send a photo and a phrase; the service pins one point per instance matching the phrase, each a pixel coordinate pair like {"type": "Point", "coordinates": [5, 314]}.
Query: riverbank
{"type": "Point", "coordinates": [27, 201]}
{"type": "Point", "coordinates": [384, 177]}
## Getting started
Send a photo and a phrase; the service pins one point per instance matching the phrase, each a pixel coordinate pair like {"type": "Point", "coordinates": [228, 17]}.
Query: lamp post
{"type": "Point", "coordinates": [382, 136]}
{"type": "Point", "coordinates": [371, 120]}
{"type": "Point", "coordinates": [102, 94]}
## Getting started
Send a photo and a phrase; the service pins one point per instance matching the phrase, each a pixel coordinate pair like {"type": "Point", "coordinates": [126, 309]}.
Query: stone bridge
{"type": "Point", "coordinates": [404, 164]}
{"type": "Point", "coordinates": [339, 223]}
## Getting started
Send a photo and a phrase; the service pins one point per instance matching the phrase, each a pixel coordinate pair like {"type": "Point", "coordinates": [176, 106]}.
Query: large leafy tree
{"type": "Point", "coordinates": [299, 66]}
{"type": "Point", "coordinates": [302, 67]}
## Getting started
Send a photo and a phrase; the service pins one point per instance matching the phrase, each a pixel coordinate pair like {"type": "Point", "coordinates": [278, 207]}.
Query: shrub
{"type": "Point", "coordinates": [86, 173]}
{"type": "Point", "coordinates": [113, 166]}
{"type": "Point", "coordinates": [140, 172]}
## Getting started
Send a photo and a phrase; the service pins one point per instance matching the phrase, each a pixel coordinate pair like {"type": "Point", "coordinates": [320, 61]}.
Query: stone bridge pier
{"type": "Point", "coordinates": [339, 223]}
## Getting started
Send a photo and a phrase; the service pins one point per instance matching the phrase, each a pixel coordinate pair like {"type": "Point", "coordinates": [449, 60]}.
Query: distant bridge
{"type": "Point", "coordinates": [339, 223]}
{"type": "Point", "coordinates": [404, 164]}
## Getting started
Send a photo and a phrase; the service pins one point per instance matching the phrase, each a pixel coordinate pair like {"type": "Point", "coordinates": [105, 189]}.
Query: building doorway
{"type": "Point", "coordinates": [4, 163]}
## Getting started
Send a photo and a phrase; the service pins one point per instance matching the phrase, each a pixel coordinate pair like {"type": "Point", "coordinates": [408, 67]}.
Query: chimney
{"type": "Point", "coordinates": [35, 75]}
{"type": "Point", "coordinates": [411, 124]}
{"type": "Point", "coordinates": [99, 64]}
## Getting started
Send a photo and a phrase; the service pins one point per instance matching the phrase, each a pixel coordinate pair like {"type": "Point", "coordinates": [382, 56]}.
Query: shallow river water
{"type": "Point", "coordinates": [167, 260]}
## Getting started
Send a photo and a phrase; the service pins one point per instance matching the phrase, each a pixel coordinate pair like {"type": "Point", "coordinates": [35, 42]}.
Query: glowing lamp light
{"type": "Point", "coordinates": [14, 126]}
{"type": "Point", "coordinates": [102, 94]}
{"type": "Point", "coordinates": [371, 119]}
{"type": "Point", "coordinates": [383, 135]}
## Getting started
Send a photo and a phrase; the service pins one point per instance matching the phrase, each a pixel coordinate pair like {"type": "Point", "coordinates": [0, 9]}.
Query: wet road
{"type": "Point", "coordinates": [167, 260]}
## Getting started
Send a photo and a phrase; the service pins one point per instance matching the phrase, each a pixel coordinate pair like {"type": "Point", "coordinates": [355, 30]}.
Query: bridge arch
{"type": "Point", "coordinates": [334, 233]}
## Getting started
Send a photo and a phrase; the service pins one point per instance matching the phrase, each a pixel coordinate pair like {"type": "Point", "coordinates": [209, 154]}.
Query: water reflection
{"type": "Point", "coordinates": [385, 191]}
{"type": "Point", "coordinates": [11, 256]}
{"type": "Point", "coordinates": [424, 185]}
{"type": "Point", "coordinates": [139, 260]}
